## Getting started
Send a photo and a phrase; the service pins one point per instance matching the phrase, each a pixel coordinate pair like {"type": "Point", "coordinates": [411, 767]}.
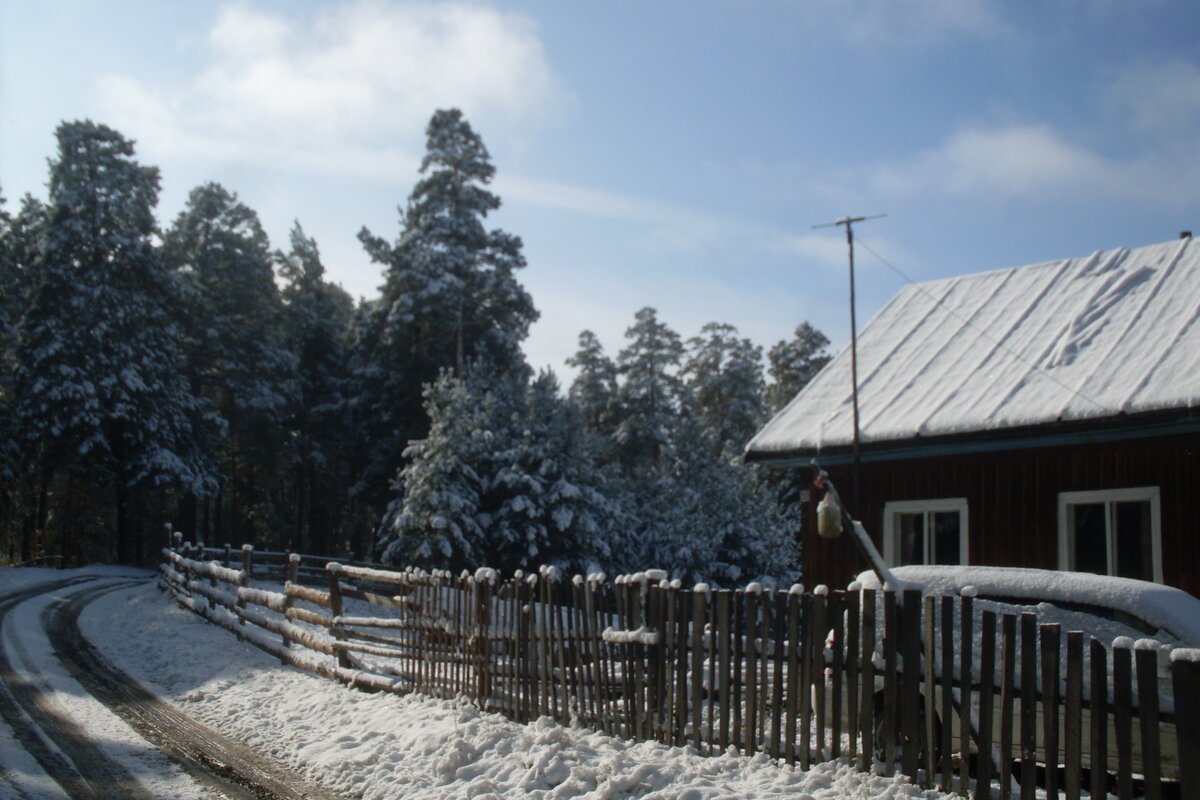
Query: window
{"type": "Point", "coordinates": [925, 532]}
{"type": "Point", "coordinates": [1114, 532]}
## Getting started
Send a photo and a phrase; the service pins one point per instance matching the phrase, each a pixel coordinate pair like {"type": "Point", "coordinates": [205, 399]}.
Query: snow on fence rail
{"type": "Point", "coordinates": [804, 677]}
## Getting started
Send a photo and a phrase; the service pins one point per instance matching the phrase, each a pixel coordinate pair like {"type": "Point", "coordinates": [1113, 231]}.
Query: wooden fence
{"type": "Point", "coordinates": [875, 677]}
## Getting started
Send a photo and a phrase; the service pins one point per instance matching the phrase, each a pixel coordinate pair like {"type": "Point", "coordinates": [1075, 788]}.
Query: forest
{"type": "Point", "coordinates": [193, 374]}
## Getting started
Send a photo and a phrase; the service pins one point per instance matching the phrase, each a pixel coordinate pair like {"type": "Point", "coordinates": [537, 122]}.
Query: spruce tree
{"type": "Point", "coordinates": [99, 379]}
{"type": "Point", "coordinates": [506, 478]}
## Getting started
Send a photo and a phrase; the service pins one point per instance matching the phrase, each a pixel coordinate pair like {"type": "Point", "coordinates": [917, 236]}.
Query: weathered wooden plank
{"type": "Point", "coordinates": [820, 618]}
{"type": "Point", "coordinates": [837, 665]}
{"type": "Point", "coordinates": [910, 684]}
{"type": "Point", "coordinates": [1185, 678]}
{"type": "Point", "coordinates": [891, 684]}
{"type": "Point", "coordinates": [1028, 705]}
{"type": "Point", "coordinates": [866, 706]}
{"type": "Point", "coordinates": [777, 699]}
{"type": "Point", "coordinates": [1098, 708]}
{"type": "Point", "coordinates": [699, 615]}
{"type": "Point", "coordinates": [947, 694]}
{"type": "Point", "coordinates": [965, 677]}
{"type": "Point", "coordinates": [723, 603]}
{"type": "Point", "coordinates": [1050, 638]}
{"type": "Point", "coordinates": [929, 660]}
{"type": "Point", "coordinates": [1123, 718]}
{"type": "Point", "coordinates": [762, 710]}
{"type": "Point", "coordinates": [739, 629]}
{"type": "Point", "coordinates": [684, 603]}
{"type": "Point", "coordinates": [987, 693]}
{"type": "Point", "coordinates": [1008, 661]}
{"type": "Point", "coordinates": [1073, 717]}
{"type": "Point", "coordinates": [793, 676]}
{"type": "Point", "coordinates": [751, 726]}
{"type": "Point", "coordinates": [1148, 718]}
{"type": "Point", "coordinates": [853, 643]}
{"type": "Point", "coordinates": [806, 679]}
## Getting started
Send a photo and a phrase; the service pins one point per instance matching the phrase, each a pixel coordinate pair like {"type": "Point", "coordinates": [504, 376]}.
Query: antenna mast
{"type": "Point", "coordinates": [849, 221]}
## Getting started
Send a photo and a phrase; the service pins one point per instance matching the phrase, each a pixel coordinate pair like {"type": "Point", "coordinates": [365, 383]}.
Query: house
{"type": "Point", "coordinates": [1043, 416]}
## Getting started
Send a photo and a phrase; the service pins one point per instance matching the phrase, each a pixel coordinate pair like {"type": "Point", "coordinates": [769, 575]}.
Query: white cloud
{"type": "Point", "coordinates": [1163, 98]}
{"type": "Point", "coordinates": [1014, 161]}
{"type": "Point", "coordinates": [348, 89]}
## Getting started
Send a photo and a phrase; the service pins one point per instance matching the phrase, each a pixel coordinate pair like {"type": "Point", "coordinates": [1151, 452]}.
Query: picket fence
{"type": "Point", "coordinates": [803, 676]}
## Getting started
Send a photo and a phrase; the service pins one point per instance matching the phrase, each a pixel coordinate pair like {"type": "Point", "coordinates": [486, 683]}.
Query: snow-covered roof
{"type": "Point", "coordinates": [1083, 338]}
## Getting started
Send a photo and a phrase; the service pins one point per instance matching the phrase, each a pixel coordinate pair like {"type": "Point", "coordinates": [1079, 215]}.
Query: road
{"type": "Point", "coordinates": [141, 748]}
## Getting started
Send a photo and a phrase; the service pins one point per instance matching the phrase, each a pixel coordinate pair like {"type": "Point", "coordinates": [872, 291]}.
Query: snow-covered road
{"type": "Point", "coordinates": [351, 743]}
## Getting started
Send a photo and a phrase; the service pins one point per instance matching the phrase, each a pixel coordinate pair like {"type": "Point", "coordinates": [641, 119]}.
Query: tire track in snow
{"type": "Point", "coordinates": [213, 759]}
{"type": "Point", "coordinates": [58, 745]}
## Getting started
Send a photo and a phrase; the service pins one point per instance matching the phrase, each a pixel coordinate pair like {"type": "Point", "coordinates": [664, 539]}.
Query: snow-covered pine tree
{"type": "Point", "coordinates": [450, 295]}
{"type": "Point", "coordinates": [648, 397]}
{"type": "Point", "coordinates": [238, 358]}
{"type": "Point", "coordinates": [793, 363]}
{"type": "Point", "coordinates": [100, 380]}
{"type": "Point", "coordinates": [594, 389]}
{"type": "Point", "coordinates": [505, 478]}
{"type": "Point", "coordinates": [317, 326]}
{"type": "Point", "coordinates": [725, 380]}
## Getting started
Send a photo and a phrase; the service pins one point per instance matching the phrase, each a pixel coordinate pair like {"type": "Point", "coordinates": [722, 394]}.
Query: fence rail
{"type": "Point", "coordinates": [942, 689]}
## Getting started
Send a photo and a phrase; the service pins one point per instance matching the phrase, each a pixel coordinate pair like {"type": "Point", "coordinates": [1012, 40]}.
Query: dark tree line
{"type": "Point", "coordinates": [194, 374]}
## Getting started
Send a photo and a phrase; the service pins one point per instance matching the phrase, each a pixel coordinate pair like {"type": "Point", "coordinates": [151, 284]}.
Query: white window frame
{"type": "Point", "coordinates": [894, 507]}
{"type": "Point", "coordinates": [1109, 496]}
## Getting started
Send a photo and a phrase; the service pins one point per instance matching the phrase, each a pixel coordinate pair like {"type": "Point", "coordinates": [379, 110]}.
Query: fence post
{"type": "Point", "coordinates": [1185, 677]}
{"type": "Point", "coordinates": [293, 575]}
{"type": "Point", "coordinates": [335, 608]}
{"type": "Point", "coordinates": [248, 560]}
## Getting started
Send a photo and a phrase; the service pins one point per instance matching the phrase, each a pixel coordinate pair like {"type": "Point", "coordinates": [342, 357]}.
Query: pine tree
{"type": "Point", "coordinates": [594, 389]}
{"type": "Point", "coordinates": [794, 363]}
{"type": "Point", "coordinates": [450, 294]}
{"type": "Point", "coordinates": [724, 377]}
{"type": "Point", "coordinates": [317, 325]}
{"type": "Point", "coordinates": [99, 379]}
{"type": "Point", "coordinates": [238, 359]}
{"type": "Point", "coordinates": [649, 395]}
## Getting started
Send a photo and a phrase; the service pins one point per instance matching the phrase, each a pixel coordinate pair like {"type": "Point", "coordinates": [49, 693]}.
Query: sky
{"type": "Point", "coordinates": [670, 154]}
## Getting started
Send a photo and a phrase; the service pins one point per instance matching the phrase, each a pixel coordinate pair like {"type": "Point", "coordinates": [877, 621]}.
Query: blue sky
{"type": "Point", "coordinates": [673, 154]}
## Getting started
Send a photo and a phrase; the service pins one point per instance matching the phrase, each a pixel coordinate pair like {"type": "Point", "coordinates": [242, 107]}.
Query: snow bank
{"type": "Point", "coordinates": [1175, 612]}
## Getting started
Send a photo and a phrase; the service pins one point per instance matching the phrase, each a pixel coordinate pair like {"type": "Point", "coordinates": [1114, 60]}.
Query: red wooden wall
{"type": "Point", "coordinates": [1012, 500]}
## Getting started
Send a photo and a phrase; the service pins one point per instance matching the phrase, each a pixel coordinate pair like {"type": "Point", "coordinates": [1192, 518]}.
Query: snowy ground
{"type": "Point", "coordinates": [357, 744]}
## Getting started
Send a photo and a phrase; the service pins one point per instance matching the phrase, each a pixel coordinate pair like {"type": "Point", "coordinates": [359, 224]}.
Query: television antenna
{"type": "Point", "coordinates": [849, 221]}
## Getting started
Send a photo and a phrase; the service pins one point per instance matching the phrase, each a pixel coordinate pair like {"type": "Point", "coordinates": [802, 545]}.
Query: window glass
{"type": "Point", "coordinates": [1132, 551]}
{"type": "Point", "coordinates": [912, 538]}
{"type": "Point", "coordinates": [946, 542]}
{"type": "Point", "coordinates": [1089, 532]}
